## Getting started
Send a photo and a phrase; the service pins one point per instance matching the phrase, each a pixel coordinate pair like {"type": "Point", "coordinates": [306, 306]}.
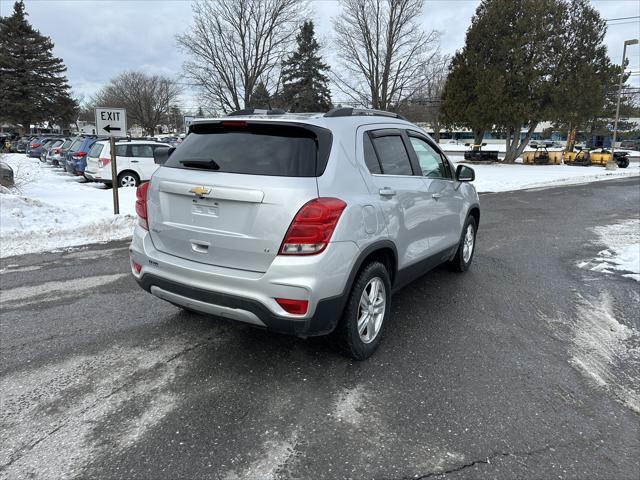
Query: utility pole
{"type": "Point", "coordinates": [612, 164]}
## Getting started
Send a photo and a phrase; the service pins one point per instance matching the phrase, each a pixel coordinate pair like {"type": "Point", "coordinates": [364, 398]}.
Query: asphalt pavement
{"type": "Point", "coordinates": [524, 367]}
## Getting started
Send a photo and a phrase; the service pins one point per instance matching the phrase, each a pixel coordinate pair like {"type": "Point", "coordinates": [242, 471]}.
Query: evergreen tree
{"type": "Point", "coordinates": [260, 97]}
{"type": "Point", "coordinates": [32, 81]}
{"type": "Point", "coordinates": [304, 85]}
{"type": "Point", "coordinates": [524, 62]}
{"type": "Point", "coordinates": [200, 112]}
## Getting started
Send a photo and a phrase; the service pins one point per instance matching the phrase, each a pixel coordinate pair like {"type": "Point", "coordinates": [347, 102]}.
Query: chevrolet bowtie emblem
{"type": "Point", "coordinates": [200, 191]}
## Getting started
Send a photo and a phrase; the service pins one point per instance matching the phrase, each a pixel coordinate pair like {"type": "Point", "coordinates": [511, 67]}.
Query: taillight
{"type": "Point", "coordinates": [103, 162]}
{"type": "Point", "coordinates": [35, 145]}
{"type": "Point", "coordinates": [78, 155]}
{"type": "Point", "coordinates": [141, 205]}
{"type": "Point", "coordinates": [312, 227]}
{"type": "Point", "coordinates": [297, 307]}
{"type": "Point", "coordinates": [56, 151]}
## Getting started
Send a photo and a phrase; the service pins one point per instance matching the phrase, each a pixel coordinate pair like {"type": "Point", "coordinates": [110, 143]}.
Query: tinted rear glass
{"type": "Point", "coordinates": [96, 150]}
{"type": "Point", "coordinates": [253, 149]}
{"type": "Point", "coordinates": [76, 143]}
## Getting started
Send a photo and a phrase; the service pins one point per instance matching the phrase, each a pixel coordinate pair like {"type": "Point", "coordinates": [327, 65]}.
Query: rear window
{"type": "Point", "coordinates": [96, 150]}
{"type": "Point", "coordinates": [76, 143]}
{"type": "Point", "coordinates": [66, 144]}
{"type": "Point", "coordinates": [254, 149]}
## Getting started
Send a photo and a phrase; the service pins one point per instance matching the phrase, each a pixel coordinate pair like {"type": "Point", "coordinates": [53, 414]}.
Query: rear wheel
{"type": "Point", "coordinates": [363, 320]}
{"type": "Point", "coordinates": [466, 247]}
{"type": "Point", "coordinates": [623, 162]}
{"type": "Point", "coordinates": [128, 179]}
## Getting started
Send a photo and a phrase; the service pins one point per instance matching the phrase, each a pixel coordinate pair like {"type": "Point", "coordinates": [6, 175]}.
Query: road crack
{"type": "Point", "coordinates": [484, 461]}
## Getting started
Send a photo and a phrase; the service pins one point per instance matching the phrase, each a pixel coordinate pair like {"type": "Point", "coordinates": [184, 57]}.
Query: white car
{"type": "Point", "coordinates": [134, 160]}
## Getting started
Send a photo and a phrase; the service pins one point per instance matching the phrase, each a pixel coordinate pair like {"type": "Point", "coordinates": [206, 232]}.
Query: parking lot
{"type": "Point", "coordinates": [526, 367]}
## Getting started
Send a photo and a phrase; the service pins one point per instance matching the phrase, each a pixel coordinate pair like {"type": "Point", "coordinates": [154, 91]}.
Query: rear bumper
{"type": "Point", "coordinates": [250, 296]}
{"type": "Point", "coordinates": [325, 318]}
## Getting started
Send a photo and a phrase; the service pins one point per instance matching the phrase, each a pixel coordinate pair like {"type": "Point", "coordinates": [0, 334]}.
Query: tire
{"type": "Point", "coordinates": [128, 179]}
{"type": "Point", "coordinates": [360, 345]}
{"type": "Point", "coordinates": [462, 261]}
{"type": "Point", "coordinates": [623, 163]}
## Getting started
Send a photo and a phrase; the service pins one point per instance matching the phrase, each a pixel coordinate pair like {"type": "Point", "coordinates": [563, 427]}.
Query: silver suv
{"type": "Point", "coordinates": [302, 223]}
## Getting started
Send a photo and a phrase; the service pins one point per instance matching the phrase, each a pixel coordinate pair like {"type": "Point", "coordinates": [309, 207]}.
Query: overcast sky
{"type": "Point", "coordinates": [98, 39]}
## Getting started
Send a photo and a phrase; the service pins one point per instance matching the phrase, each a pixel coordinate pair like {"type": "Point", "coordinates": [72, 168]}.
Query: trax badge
{"type": "Point", "coordinates": [200, 191]}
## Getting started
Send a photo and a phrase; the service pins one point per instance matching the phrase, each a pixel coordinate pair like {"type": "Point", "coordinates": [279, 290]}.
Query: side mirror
{"type": "Point", "coordinates": [465, 174]}
{"type": "Point", "coordinates": [162, 154]}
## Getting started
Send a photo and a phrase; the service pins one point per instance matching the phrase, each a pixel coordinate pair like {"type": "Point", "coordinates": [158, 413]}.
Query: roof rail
{"type": "Point", "coordinates": [257, 111]}
{"type": "Point", "coordinates": [350, 111]}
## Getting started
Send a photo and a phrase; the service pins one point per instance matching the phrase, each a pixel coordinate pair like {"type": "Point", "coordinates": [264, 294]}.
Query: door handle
{"type": "Point", "coordinates": [436, 196]}
{"type": "Point", "coordinates": [134, 161]}
{"type": "Point", "coordinates": [387, 192]}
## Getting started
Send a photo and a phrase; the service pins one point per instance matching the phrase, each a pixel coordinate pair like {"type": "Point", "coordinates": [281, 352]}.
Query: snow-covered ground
{"type": "Point", "coordinates": [496, 177]}
{"type": "Point", "coordinates": [622, 254]}
{"type": "Point", "coordinates": [50, 209]}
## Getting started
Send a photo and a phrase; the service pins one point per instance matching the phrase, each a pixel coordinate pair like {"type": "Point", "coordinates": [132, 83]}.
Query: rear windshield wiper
{"type": "Point", "coordinates": [210, 164]}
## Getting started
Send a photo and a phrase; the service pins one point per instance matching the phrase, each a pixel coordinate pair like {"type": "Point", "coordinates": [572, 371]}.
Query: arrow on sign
{"type": "Point", "coordinates": [108, 128]}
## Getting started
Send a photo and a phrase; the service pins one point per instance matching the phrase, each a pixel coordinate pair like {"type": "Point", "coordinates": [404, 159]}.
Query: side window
{"type": "Point", "coordinates": [394, 158]}
{"type": "Point", "coordinates": [370, 157]}
{"type": "Point", "coordinates": [431, 162]}
{"type": "Point", "coordinates": [121, 150]}
{"type": "Point", "coordinates": [141, 150]}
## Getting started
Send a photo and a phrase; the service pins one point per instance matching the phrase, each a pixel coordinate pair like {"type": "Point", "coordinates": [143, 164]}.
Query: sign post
{"type": "Point", "coordinates": [112, 122]}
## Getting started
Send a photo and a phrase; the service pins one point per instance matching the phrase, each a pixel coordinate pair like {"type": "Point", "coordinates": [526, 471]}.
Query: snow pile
{"type": "Point", "coordinates": [623, 250]}
{"type": "Point", "coordinates": [50, 209]}
{"type": "Point", "coordinates": [496, 177]}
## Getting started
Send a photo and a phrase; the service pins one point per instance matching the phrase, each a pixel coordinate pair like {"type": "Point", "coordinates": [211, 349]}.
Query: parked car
{"type": "Point", "coordinates": [54, 153]}
{"type": "Point", "coordinates": [134, 159]}
{"type": "Point", "coordinates": [6, 175]}
{"type": "Point", "coordinates": [46, 146]}
{"type": "Point", "coordinates": [630, 145]}
{"type": "Point", "coordinates": [48, 149]}
{"type": "Point", "coordinates": [35, 150]}
{"type": "Point", "coordinates": [20, 146]}
{"type": "Point", "coordinates": [302, 224]}
{"type": "Point", "coordinates": [77, 154]}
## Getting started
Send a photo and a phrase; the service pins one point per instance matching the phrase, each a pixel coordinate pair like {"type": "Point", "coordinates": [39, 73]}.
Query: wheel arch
{"type": "Point", "coordinates": [383, 251]}
{"type": "Point", "coordinates": [474, 211]}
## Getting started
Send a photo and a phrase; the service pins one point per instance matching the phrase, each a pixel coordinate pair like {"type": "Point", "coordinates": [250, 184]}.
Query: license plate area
{"type": "Point", "coordinates": [205, 209]}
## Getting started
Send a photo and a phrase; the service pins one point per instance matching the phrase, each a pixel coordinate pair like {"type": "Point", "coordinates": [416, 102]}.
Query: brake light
{"type": "Point", "coordinates": [78, 155]}
{"type": "Point", "coordinates": [103, 162]}
{"type": "Point", "coordinates": [136, 266]}
{"type": "Point", "coordinates": [35, 145]}
{"type": "Point", "coordinates": [56, 151]}
{"type": "Point", "coordinates": [297, 307]}
{"type": "Point", "coordinates": [141, 205]}
{"type": "Point", "coordinates": [234, 123]}
{"type": "Point", "coordinates": [312, 227]}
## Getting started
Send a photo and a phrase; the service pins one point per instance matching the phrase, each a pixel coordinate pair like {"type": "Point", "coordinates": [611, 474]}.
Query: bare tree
{"type": "Point", "coordinates": [382, 50]}
{"type": "Point", "coordinates": [234, 44]}
{"type": "Point", "coordinates": [147, 98]}
{"type": "Point", "coordinates": [424, 105]}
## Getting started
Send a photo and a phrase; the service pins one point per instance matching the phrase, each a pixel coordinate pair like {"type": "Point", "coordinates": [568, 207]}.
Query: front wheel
{"type": "Point", "coordinates": [466, 247]}
{"type": "Point", "coordinates": [128, 179]}
{"type": "Point", "coordinates": [360, 329]}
